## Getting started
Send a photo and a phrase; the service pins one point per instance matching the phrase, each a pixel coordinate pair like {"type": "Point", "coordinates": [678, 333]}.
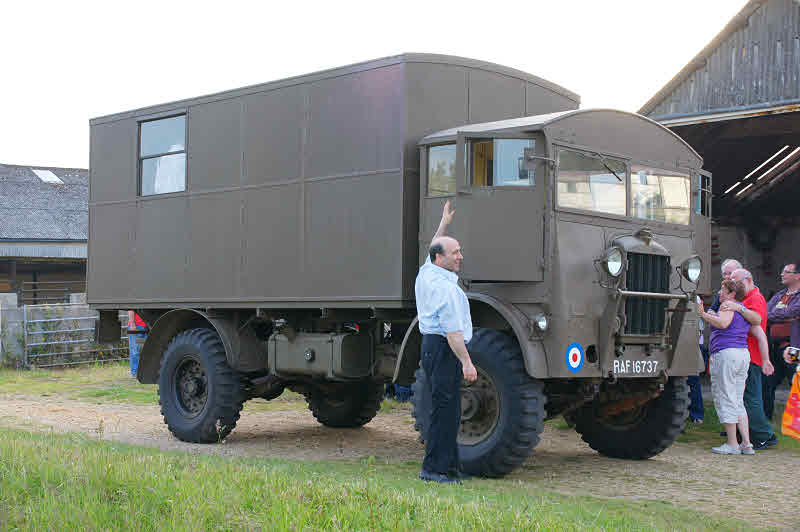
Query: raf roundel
{"type": "Point", "coordinates": [574, 357]}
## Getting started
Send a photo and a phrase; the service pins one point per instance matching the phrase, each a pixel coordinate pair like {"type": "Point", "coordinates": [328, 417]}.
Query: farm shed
{"type": "Point", "coordinates": [43, 232]}
{"type": "Point", "coordinates": [738, 104]}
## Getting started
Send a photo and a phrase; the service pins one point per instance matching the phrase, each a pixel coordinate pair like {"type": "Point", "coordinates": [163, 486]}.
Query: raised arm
{"type": "Point", "coordinates": [447, 217]}
{"type": "Point", "coordinates": [752, 317]}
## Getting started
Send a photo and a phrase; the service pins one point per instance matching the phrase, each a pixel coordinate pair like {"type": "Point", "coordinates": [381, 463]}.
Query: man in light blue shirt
{"type": "Point", "coordinates": [446, 326]}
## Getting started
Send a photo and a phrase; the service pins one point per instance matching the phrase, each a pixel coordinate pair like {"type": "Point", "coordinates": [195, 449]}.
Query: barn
{"type": "Point", "coordinates": [737, 103]}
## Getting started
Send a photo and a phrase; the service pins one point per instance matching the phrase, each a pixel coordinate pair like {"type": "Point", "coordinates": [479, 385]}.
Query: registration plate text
{"type": "Point", "coordinates": [622, 367]}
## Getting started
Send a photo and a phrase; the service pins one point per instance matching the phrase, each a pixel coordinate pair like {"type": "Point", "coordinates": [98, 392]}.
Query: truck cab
{"type": "Point", "coordinates": [586, 232]}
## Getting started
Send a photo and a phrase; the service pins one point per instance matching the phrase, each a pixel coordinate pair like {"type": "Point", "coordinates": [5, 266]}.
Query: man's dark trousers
{"type": "Point", "coordinates": [760, 429]}
{"type": "Point", "coordinates": [444, 372]}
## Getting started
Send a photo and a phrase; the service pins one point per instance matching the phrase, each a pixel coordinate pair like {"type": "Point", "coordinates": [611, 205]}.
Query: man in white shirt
{"type": "Point", "coordinates": [446, 326]}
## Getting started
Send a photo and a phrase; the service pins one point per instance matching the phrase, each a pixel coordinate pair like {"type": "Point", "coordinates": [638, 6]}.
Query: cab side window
{"type": "Point", "coordinates": [162, 156]}
{"type": "Point", "coordinates": [442, 170]}
{"type": "Point", "coordinates": [703, 195]}
{"type": "Point", "coordinates": [500, 163]}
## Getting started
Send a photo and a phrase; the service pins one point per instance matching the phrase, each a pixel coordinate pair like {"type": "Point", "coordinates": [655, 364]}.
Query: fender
{"type": "Point", "coordinates": [243, 350]}
{"type": "Point", "coordinates": [486, 311]}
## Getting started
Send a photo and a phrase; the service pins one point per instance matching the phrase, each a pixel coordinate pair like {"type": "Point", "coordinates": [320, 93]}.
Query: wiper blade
{"type": "Point", "coordinates": [602, 160]}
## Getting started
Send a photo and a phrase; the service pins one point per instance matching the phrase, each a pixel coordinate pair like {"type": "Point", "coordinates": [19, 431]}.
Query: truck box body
{"type": "Point", "coordinates": [299, 193]}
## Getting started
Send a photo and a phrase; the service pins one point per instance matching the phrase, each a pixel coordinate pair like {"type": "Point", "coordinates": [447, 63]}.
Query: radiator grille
{"type": "Point", "coordinates": [646, 273]}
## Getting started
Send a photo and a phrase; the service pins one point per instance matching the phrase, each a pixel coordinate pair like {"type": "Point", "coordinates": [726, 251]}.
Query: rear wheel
{"type": "Point", "coordinates": [641, 432]}
{"type": "Point", "coordinates": [351, 405]}
{"type": "Point", "coordinates": [200, 395]}
{"type": "Point", "coordinates": [502, 412]}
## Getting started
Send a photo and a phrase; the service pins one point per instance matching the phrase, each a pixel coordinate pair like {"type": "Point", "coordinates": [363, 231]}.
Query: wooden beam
{"type": "Point", "coordinates": [772, 182]}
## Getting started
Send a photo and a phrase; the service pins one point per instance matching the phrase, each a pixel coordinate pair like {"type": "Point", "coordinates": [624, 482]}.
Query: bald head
{"type": "Point", "coordinates": [745, 277]}
{"type": "Point", "coordinates": [445, 252]}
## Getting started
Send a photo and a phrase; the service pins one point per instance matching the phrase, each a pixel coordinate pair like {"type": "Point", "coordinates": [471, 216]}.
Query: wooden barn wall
{"type": "Point", "coordinates": [757, 64]}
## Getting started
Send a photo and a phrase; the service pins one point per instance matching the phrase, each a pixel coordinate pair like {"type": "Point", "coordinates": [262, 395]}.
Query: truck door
{"type": "Point", "coordinates": [500, 197]}
{"type": "Point", "coordinates": [702, 229]}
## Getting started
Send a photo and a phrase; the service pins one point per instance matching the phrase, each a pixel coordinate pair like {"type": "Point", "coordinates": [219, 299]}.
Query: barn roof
{"type": "Point", "coordinates": [40, 203]}
{"type": "Point", "coordinates": [753, 63]}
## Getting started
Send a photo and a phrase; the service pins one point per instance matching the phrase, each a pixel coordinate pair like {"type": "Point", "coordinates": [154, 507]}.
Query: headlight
{"type": "Point", "coordinates": [613, 262]}
{"type": "Point", "coordinates": [541, 322]}
{"type": "Point", "coordinates": [691, 268]}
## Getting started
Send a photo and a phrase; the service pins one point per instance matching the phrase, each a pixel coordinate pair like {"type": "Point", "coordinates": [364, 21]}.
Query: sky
{"type": "Point", "coordinates": [62, 63]}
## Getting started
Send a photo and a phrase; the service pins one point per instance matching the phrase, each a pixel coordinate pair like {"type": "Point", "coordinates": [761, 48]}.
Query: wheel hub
{"type": "Point", "coordinates": [191, 386]}
{"type": "Point", "coordinates": [480, 409]}
{"type": "Point", "coordinates": [470, 403]}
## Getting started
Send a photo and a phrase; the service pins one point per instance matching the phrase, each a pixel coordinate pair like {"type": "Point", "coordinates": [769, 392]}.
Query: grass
{"type": "Point", "coordinates": [102, 383]}
{"type": "Point", "coordinates": [68, 482]}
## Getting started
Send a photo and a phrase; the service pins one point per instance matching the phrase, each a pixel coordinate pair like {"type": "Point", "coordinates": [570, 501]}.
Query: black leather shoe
{"type": "Point", "coordinates": [435, 477]}
{"type": "Point", "coordinates": [760, 445]}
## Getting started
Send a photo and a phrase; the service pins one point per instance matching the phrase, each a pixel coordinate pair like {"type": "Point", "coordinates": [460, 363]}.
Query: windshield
{"type": "Point", "coordinates": [591, 183]}
{"type": "Point", "coordinates": [594, 182]}
{"type": "Point", "coordinates": [659, 195]}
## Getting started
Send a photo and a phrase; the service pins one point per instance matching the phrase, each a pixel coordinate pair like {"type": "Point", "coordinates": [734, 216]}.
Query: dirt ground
{"type": "Point", "coordinates": [760, 489]}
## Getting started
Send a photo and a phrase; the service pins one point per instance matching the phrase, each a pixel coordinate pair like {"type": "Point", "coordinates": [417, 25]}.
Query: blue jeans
{"type": "Point", "coordinates": [760, 429]}
{"type": "Point", "coordinates": [696, 410]}
{"type": "Point", "coordinates": [133, 350]}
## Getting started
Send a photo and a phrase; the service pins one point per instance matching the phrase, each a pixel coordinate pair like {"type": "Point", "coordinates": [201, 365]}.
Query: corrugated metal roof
{"type": "Point", "coordinates": [754, 61]}
{"type": "Point", "coordinates": [31, 209]}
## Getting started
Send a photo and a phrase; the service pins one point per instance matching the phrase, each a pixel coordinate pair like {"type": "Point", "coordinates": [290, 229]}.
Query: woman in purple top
{"type": "Point", "coordinates": [730, 361]}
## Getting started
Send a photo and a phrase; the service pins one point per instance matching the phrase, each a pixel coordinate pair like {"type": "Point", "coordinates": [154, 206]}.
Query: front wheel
{"type": "Point", "coordinates": [200, 395]}
{"type": "Point", "coordinates": [641, 432]}
{"type": "Point", "coordinates": [502, 412]}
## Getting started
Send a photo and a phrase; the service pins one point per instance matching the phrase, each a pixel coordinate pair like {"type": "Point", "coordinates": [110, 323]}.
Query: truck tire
{"type": "Point", "coordinates": [642, 432]}
{"type": "Point", "coordinates": [200, 395]}
{"type": "Point", "coordinates": [502, 412]}
{"type": "Point", "coordinates": [353, 406]}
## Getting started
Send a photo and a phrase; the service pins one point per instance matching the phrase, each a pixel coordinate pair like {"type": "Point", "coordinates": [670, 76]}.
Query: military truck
{"type": "Point", "coordinates": [270, 237]}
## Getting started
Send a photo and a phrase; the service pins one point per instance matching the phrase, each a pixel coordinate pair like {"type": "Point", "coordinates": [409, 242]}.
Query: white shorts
{"type": "Point", "coordinates": [728, 377]}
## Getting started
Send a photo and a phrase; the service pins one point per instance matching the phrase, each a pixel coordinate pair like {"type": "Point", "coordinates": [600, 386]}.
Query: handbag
{"type": "Point", "coordinates": [791, 415]}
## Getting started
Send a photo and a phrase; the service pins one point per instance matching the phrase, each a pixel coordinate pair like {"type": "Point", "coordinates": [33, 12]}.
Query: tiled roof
{"type": "Point", "coordinates": [31, 209]}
